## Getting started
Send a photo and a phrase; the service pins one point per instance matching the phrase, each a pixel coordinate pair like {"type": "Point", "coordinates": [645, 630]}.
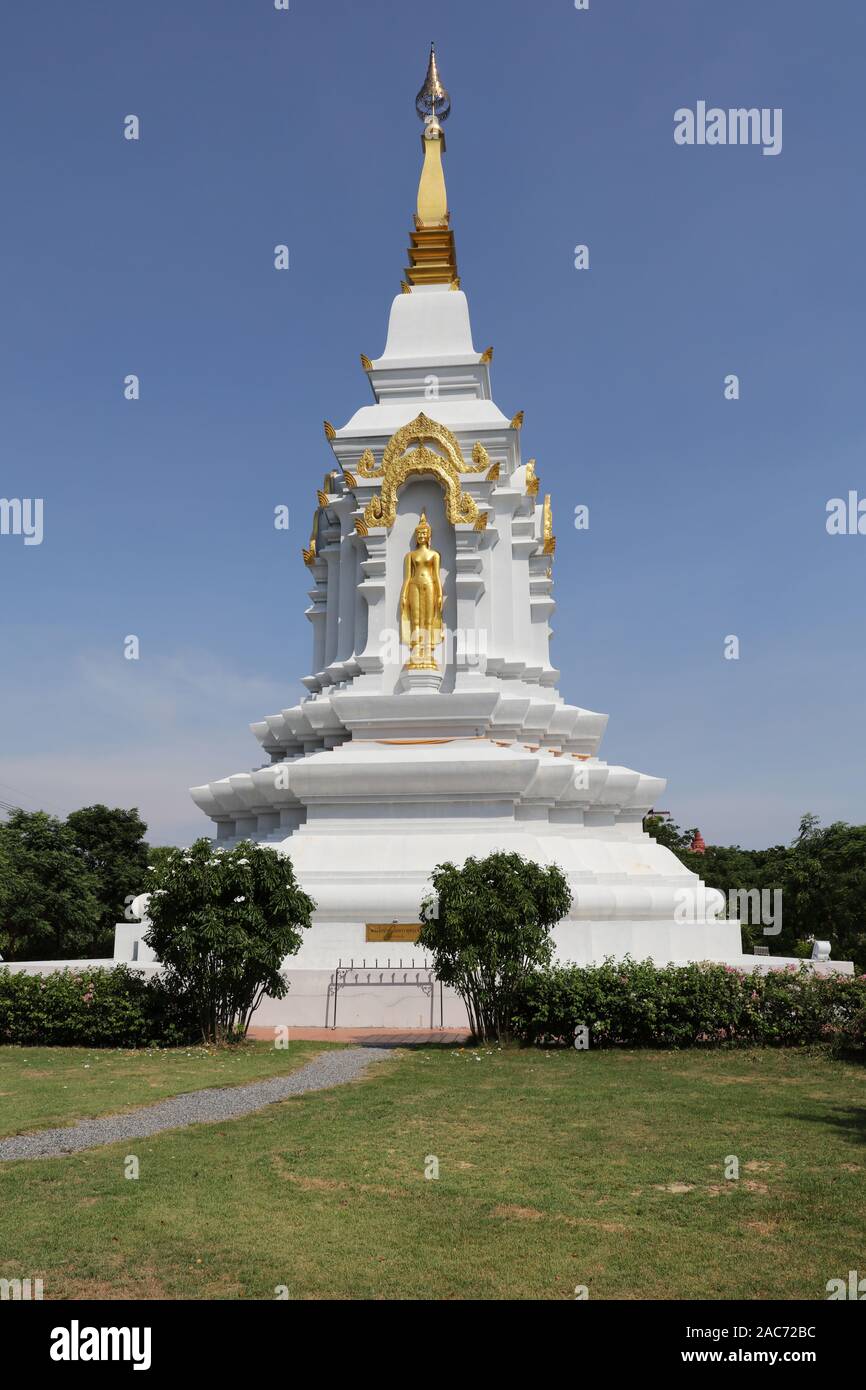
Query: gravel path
{"type": "Point", "coordinates": [196, 1107]}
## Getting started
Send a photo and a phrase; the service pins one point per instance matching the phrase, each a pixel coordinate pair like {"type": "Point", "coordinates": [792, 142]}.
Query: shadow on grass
{"type": "Point", "coordinates": [849, 1119]}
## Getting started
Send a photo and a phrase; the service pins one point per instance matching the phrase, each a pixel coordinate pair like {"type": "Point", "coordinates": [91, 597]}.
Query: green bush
{"type": "Point", "coordinates": [637, 1004]}
{"type": "Point", "coordinates": [486, 926]}
{"type": "Point", "coordinates": [91, 1008]}
{"type": "Point", "coordinates": [222, 923]}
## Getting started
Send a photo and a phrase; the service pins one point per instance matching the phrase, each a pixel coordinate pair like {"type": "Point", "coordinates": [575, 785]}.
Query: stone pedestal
{"type": "Point", "coordinates": [427, 681]}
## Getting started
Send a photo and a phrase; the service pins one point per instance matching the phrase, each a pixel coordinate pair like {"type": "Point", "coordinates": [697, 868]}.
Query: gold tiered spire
{"type": "Point", "coordinates": [432, 259]}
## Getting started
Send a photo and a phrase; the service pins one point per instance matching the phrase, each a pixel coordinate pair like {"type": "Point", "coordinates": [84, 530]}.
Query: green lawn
{"type": "Point", "coordinates": [44, 1086]}
{"type": "Point", "coordinates": [555, 1169]}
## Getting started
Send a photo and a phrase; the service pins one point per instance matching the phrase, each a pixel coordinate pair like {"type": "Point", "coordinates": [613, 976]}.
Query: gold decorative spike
{"type": "Point", "coordinates": [547, 527]}
{"type": "Point", "coordinates": [480, 458]}
{"type": "Point", "coordinates": [351, 480]}
{"type": "Point", "coordinates": [366, 363]}
{"type": "Point", "coordinates": [421, 601]}
{"type": "Point", "coordinates": [455, 283]}
{"type": "Point", "coordinates": [330, 432]}
{"type": "Point", "coordinates": [405, 289]}
{"type": "Point", "coordinates": [548, 573]}
{"type": "Point", "coordinates": [323, 496]}
{"type": "Point", "coordinates": [517, 422]}
{"type": "Point", "coordinates": [361, 526]}
{"type": "Point", "coordinates": [367, 464]}
{"type": "Point", "coordinates": [531, 479]}
{"type": "Point", "coordinates": [487, 356]}
{"type": "Point", "coordinates": [493, 475]}
{"type": "Point", "coordinates": [481, 523]}
{"type": "Point", "coordinates": [310, 554]}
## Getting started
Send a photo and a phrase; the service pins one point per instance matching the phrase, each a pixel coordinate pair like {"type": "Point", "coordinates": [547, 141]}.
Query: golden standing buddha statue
{"type": "Point", "coordinates": [421, 601]}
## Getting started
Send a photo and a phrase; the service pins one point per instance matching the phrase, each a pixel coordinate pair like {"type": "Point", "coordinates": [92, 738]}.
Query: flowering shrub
{"type": "Point", "coordinates": [638, 1004]}
{"type": "Point", "coordinates": [850, 1036]}
{"type": "Point", "coordinates": [90, 1008]}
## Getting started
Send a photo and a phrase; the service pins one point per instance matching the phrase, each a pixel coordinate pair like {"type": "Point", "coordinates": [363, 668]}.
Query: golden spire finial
{"type": "Point", "coordinates": [433, 100]}
{"type": "Point", "coordinates": [432, 257]}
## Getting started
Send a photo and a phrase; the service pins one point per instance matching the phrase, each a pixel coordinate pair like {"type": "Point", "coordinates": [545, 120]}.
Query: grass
{"type": "Point", "coordinates": [44, 1086]}
{"type": "Point", "coordinates": [555, 1169]}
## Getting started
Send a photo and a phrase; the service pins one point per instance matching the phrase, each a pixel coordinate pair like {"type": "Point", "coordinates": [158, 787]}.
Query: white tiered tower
{"type": "Point", "coordinates": [382, 772]}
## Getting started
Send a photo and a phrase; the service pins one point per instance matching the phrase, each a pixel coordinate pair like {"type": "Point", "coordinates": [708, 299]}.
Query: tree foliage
{"type": "Point", "coordinates": [49, 899]}
{"type": "Point", "coordinates": [222, 923]}
{"type": "Point", "coordinates": [821, 876]}
{"type": "Point", "coordinates": [486, 925]}
{"type": "Point", "coordinates": [112, 846]}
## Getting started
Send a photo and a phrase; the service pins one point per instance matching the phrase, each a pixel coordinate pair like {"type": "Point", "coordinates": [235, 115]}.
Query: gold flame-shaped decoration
{"type": "Point", "coordinates": [548, 538]}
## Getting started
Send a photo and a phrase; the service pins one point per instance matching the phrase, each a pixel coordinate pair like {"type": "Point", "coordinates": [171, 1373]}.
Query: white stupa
{"type": "Point", "coordinates": [389, 767]}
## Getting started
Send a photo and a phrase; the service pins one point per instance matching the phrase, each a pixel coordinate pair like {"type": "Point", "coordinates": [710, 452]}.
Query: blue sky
{"type": "Point", "coordinates": [707, 516]}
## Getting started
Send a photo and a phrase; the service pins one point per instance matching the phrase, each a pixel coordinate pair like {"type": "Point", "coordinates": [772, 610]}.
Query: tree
{"type": "Point", "coordinates": [486, 926]}
{"type": "Point", "coordinates": [667, 833]}
{"type": "Point", "coordinates": [222, 924]}
{"type": "Point", "coordinates": [49, 904]}
{"type": "Point", "coordinates": [112, 847]}
{"type": "Point", "coordinates": [821, 876]}
{"type": "Point", "coordinates": [158, 855]}
{"type": "Point", "coordinates": [825, 888]}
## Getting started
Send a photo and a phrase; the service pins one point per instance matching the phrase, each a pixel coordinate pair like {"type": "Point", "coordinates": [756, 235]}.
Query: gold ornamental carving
{"type": "Point", "coordinates": [397, 465]}
{"type": "Point", "coordinates": [480, 459]}
{"type": "Point", "coordinates": [549, 539]}
{"type": "Point", "coordinates": [323, 496]}
{"type": "Point", "coordinates": [381, 510]}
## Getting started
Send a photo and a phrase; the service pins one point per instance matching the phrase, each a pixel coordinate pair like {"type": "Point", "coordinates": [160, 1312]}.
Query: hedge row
{"type": "Point", "coordinates": [638, 1004]}
{"type": "Point", "coordinates": [91, 1008]}
{"type": "Point", "coordinates": [627, 1004]}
